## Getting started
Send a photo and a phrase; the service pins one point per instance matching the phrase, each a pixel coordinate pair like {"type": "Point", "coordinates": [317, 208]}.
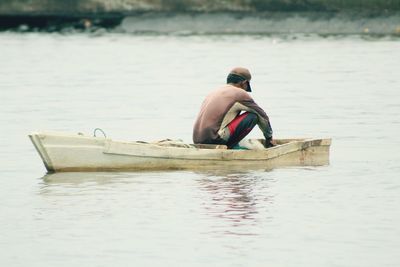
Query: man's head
{"type": "Point", "coordinates": [240, 77]}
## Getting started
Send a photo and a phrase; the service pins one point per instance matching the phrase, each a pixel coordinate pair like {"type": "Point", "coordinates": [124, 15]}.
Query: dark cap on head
{"type": "Point", "coordinates": [243, 73]}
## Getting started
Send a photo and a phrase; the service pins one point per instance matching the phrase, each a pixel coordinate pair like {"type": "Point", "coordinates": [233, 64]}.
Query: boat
{"type": "Point", "coordinates": [66, 152]}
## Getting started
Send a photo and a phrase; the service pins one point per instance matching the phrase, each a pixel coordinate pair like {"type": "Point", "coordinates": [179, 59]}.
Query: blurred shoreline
{"type": "Point", "coordinates": [331, 23]}
{"type": "Point", "coordinates": [370, 17]}
{"type": "Point", "coordinates": [128, 7]}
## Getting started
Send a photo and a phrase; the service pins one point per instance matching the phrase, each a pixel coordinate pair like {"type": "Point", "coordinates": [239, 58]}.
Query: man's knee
{"type": "Point", "coordinates": [252, 118]}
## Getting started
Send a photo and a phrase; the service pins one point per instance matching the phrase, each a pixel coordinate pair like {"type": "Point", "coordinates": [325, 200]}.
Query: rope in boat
{"type": "Point", "coordinates": [98, 129]}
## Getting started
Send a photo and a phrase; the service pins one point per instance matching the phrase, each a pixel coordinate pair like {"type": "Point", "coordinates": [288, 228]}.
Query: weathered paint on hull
{"type": "Point", "coordinates": [66, 153]}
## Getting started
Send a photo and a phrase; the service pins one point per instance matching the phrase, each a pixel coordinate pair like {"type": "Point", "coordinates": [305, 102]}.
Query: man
{"type": "Point", "coordinates": [229, 113]}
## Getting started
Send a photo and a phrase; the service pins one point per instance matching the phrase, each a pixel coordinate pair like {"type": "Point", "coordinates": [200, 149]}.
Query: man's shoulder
{"type": "Point", "coordinates": [232, 90]}
{"type": "Point", "coordinates": [225, 89]}
{"type": "Point", "coordinates": [229, 92]}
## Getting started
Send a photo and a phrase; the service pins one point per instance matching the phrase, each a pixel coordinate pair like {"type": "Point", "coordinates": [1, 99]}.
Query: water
{"type": "Point", "coordinates": [144, 87]}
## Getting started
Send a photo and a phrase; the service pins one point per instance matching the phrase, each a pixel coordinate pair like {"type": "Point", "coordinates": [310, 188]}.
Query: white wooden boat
{"type": "Point", "coordinates": [62, 152]}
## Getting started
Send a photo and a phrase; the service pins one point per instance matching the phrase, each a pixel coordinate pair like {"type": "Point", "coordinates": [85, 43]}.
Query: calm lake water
{"type": "Point", "coordinates": [150, 87]}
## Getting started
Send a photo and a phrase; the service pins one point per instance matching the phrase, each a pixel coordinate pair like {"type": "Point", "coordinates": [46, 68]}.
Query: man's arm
{"type": "Point", "coordinates": [263, 118]}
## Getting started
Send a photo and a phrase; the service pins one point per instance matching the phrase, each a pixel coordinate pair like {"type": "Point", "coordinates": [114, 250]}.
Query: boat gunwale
{"type": "Point", "coordinates": [222, 154]}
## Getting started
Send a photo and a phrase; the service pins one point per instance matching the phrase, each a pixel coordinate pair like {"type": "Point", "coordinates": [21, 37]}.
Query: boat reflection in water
{"type": "Point", "coordinates": [238, 201]}
{"type": "Point", "coordinates": [228, 203]}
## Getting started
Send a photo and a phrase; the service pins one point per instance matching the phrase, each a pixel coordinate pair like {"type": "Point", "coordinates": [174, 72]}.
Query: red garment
{"type": "Point", "coordinates": [235, 123]}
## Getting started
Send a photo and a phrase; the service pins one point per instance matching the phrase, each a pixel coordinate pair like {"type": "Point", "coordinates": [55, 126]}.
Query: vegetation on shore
{"type": "Point", "coordinates": [65, 7]}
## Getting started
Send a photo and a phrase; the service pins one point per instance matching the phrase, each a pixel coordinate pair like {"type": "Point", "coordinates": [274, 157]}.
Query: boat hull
{"type": "Point", "coordinates": [67, 152]}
